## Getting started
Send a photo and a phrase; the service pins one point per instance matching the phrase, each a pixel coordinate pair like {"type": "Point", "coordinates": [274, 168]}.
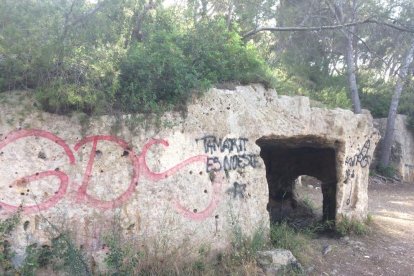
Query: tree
{"type": "Point", "coordinates": [389, 132]}
{"type": "Point", "coordinates": [347, 17]}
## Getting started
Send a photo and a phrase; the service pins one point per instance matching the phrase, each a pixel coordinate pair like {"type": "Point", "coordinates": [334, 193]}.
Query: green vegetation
{"type": "Point", "coordinates": [351, 226]}
{"type": "Point", "coordinates": [244, 247]}
{"type": "Point", "coordinates": [170, 66]}
{"type": "Point", "coordinates": [297, 241]}
{"type": "Point", "coordinates": [6, 228]}
{"type": "Point", "coordinates": [62, 255]}
{"type": "Point", "coordinates": [407, 106]}
{"type": "Point", "coordinates": [139, 56]}
{"type": "Point", "coordinates": [97, 59]}
{"type": "Point", "coordinates": [127, 257]}
{"type": "Point", "coordinates": [387, 171]}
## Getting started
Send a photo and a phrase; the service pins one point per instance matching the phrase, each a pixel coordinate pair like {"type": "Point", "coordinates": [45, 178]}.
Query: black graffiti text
{"type": "Point", "coordinates": [362, 158]}
{"type": "Point", "coordinates": [213, 144]}
{"type": "Point", "coordinates": [238, 191]}
{"type": "Point", "coordinates": [231, 162]}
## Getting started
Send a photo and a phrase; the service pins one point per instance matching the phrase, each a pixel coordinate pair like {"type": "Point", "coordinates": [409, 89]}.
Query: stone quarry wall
{"type": "Point", "coordinates": [402, 151]}
{"type": "Point", "coordinates": [186, 183]}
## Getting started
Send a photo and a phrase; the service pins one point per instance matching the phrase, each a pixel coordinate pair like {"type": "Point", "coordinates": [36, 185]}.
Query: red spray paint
{"type": "Point", "coordinates": [140, 168]}
{"type": "Point", "coordinates": [64, 179]}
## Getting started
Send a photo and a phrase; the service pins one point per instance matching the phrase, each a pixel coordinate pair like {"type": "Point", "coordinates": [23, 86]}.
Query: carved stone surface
{"type": "Point", "coordinates": [402, 151]}
{"type": "Point", "coordinates": [186, 182]}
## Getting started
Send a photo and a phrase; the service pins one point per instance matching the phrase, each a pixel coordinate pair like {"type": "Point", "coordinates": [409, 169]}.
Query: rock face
{"type": "Point", "coordinates": [273, 262]}
{"type": "Point", "coordinates": [187, 182]}
{"type": "Point", "coordinates": [402, 151]}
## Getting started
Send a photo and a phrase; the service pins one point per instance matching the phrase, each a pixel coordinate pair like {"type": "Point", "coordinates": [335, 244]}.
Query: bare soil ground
{"type": "Point", "coordinates": [389, 247]}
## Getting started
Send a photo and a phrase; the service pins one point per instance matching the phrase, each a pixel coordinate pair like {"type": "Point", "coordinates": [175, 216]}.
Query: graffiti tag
{"type": "Point", "coordinates": [236, 157]}
{"type": "Point", "coordinates": [139, 169]}
{"type": "Point", "coordinates": [362, 159]}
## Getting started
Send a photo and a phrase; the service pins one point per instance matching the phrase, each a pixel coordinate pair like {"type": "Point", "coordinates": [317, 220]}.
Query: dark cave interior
{"type": "Point", "coordinates": [287, 158]}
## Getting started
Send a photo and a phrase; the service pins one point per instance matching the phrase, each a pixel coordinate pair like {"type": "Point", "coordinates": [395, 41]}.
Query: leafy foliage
{"type": "Point", "coordinates": [164, 70]}
{"type": "Point", "coordinates": [155, 72]}
{"type": "Point", "coordinates": [52, 46]}
{"type": "Point", "coordinates": [60, 97]}
{"type": "Point", "coordinates": [407, 104]}
{"type": "Point", "coordinates": [136, 55]}
{"type": "Point", "coordinates": [123, 54]}
{"type": "Point", "coordinates": [122, 258]}
{"type": "Point", "coordinates": [6, 228]}
{"type": "Point", "coordinates": [62, 255]}
{"type": "Point", "coordinates": [245, 247]}
{"type": "Point", "coordinates": [68, 256]}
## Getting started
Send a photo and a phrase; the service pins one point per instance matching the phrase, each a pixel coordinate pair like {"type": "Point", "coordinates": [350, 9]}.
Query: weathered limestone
{"type": "Point", "coordinates": [273, 262]}
{"type": "Point", "coordinates": [402, 151]}
{"type": "Point", "coordinates": [187, 183]}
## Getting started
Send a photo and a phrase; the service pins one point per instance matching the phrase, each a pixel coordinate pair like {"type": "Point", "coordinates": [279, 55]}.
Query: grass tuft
{"type": "Point", "coordinates": [349, 226]}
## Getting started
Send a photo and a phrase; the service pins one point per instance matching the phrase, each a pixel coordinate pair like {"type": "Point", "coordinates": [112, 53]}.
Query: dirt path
{"type": "Point", "coordinates": [387, 250]}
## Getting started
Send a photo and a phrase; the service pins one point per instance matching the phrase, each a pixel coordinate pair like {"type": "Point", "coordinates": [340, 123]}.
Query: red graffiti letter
{"type": "Point", "coordinates": [217, 185]}
{"type": "Point", "coordinates": [82, 192]}
{"type": "Point", "coordinates": [154, 176]}
{"type": "Point", "coordinates": [64, 179]}
{"type": "Point", "coordinates": [208, 211]}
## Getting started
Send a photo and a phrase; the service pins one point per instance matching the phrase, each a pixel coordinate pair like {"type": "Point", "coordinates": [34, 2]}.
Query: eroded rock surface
{"type": "Point", "coordinates": [274, 262]}
{"type": "Point", "coordinates": [402, 151]}
{"type": "Point", "coordinates": [183, 184]}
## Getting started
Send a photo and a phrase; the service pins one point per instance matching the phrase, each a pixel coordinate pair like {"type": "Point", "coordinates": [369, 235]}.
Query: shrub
{"type": "Point", "coordinates": [410, 122]}
{"type": "Point", "coordinates": [333, 97]}
{"type": "Point", "coordinates": [163, 71]}
{"type": "Point", "coordinates": [298, 241]}
{"type": "Point", "coordinates": [155, 73]}
{"type": "Point", "coordinates": [220, 55]}
{"type": "Point", "coordinates": [60, 97]}
{"type": "Point", "coordinates": [123, 257]}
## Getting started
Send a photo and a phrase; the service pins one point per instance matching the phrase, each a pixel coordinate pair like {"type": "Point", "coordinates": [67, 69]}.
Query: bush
{"type": "Point", "coordinates": [410, 122]}
{"type": "Point", "coordinates": [155, 73]}
{"type": "Point", "coordinates": [245, 247]}
{"type": "Point", "coordinates": [61, 97]}
{"type": "Point", "coordinates": [375, 94]}
{"type": "Point", "coordinates": [163, 71]}
{"type": "Point", "coordinates": [333, 97]}
{"type": "Point", "coordinates": [220, 55]}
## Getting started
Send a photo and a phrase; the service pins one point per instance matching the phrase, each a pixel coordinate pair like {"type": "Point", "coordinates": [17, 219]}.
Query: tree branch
{"type": "Point", "coordinates": [87, 14]}
{"type": "Point", "coordinates": [368, 48]}
{"type": "Point", "coordinates": [327, 27]}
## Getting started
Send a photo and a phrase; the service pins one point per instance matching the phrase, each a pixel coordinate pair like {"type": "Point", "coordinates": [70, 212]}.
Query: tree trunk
{"type": "Point", "coordinates": [229, 16]}
{"type": "Point", "coordinates": [353, 86]}
{"type": "Point", "coordinates": [140, 15]}
{"type": "Point", "coordinates": [392, 114]}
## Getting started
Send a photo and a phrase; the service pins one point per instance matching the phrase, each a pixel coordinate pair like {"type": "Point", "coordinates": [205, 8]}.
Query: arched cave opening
{"type": "Point", "coordinates": [286, 159]}
{"type": "Point", "coordinates": [309, 198]}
